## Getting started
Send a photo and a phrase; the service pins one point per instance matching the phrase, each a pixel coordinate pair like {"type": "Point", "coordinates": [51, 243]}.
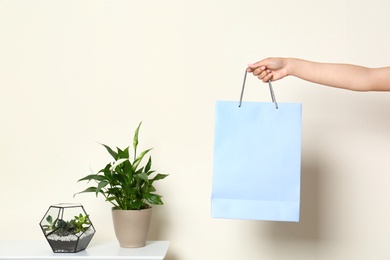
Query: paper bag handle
{"type": "Point", "coordinates": [270, 89]}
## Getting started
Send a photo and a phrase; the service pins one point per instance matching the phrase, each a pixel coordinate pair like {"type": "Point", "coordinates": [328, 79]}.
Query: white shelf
{"type": "Point", "coordinates": [104, 250]}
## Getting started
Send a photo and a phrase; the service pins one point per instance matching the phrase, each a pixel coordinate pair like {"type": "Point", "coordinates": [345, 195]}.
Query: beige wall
{"type": "Point", "coordinates": [76, 73]}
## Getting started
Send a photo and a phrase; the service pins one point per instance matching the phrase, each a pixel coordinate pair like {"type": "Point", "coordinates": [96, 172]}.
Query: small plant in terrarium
{"type": "Point", "coordinates": [67, 228]}
{"type": "Point", "coordinates": [78, 224]}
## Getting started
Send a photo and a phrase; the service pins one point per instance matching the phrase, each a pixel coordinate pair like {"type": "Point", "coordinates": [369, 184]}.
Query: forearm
{"type": "Point", "coordinates": [345, 76]}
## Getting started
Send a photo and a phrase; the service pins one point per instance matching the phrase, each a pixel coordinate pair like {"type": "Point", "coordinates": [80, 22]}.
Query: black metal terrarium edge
{"type": "Point", "coordinates": [67, 228]}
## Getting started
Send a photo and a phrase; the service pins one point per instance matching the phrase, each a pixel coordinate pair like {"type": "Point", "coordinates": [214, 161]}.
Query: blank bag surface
{"type": "Point", "coordinates": [257, 161]}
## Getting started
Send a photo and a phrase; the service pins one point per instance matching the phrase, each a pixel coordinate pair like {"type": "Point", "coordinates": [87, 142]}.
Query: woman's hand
{"type": "Point", "coordinates": [269, 69]}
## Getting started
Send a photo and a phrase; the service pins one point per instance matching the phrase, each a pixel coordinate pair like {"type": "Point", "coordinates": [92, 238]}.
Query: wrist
{"type": "Point", "coordinates": [289, 66]}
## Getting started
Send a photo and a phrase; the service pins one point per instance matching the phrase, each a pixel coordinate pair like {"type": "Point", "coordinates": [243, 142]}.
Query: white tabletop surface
{"type": "Point", "coordinates": [102, 250]}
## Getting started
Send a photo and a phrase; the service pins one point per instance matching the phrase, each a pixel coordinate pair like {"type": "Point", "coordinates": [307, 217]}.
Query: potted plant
{"type": "Point", "coordinates": [67, 228]}
{"type": "Point", "coordinates": [128, 186]}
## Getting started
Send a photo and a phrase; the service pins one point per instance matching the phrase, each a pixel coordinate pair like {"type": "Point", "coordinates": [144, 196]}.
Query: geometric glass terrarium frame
{"type": "Point", "coordinates": [67, 228]}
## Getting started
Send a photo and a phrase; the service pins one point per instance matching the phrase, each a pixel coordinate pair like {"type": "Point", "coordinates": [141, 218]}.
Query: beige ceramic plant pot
{"type": "Point", "coordinates": [132, 226]}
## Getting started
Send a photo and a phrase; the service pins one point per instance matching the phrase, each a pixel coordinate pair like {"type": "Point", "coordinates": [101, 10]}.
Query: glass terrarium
{"type": "Point", "coordinates": [67, 228]}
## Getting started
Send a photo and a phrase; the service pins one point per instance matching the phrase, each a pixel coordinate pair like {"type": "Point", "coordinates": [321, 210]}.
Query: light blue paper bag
{"type": "Point", "coordinates": [257, 161]}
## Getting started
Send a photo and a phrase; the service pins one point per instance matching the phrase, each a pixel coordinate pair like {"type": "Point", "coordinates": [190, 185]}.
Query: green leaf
{"type": "Point", "coordinates": [150, 172]}
{"type": "Point", "coordinates": [140, 157]}
{"type": "Point", "coordinates": [113, 153]}
{"type": "Point", "coordinates": [148, 165]}
{"type": "Point", "coordinates": [153, 199]}
{"type": "Point", "coordinates": [119, 179]}
{"type": "Point", "coordinates": [135, 139]}
{"type": "Point", "coordinates": [115, 191]}
{"type": "Point", "coordinates": [142, 176]}
{"type": "Point", "coordinates": [159, 177]}
{"type": "Point", "coordinates": [49, 219]}
{"type": "Point", "coordinates": [128, 169]}
{"type": "Point", "coordinates": [100, 186]}
{"type": "Point", "coordinates": [106, 171]}
{"type": "Point", "coordinates": [124, 153]}
{"type": "Point", "coordinates": [148, 189]}
{"type": "Point", "coordinates": [89, 189]}
{"type": "Point", "coordinates": [95, 177]}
